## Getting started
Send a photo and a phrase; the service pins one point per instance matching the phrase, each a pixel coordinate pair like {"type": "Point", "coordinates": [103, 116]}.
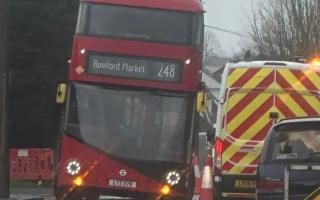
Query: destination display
{"type": "Point", "coordinates": [133, 67]}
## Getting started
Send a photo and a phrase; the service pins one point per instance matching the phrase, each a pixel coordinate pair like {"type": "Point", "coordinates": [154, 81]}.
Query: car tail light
{"type": "Point", "coordinates": [218, 152]}
{"type": "Point", "coordinates": [270, 187]}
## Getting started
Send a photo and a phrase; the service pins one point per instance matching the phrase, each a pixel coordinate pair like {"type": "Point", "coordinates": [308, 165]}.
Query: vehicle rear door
{"type": "Point", "coordinates": [297, 93]}
{"type": "Point", "coordinates": [303, 179]}
{"type": "Point", "coordinates": [249, 102]}
{"type": "Point", "coordinates": [247, 123]}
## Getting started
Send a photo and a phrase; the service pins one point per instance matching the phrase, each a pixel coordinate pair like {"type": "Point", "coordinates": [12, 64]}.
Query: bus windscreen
{"type": "Point", "coordinates": [133, 23]}
{"type": "Point", "coordinates": [133, 124]}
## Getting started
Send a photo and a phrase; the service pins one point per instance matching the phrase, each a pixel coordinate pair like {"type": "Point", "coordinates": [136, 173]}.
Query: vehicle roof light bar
{"type": "Point", "coordinates": [275, 63]}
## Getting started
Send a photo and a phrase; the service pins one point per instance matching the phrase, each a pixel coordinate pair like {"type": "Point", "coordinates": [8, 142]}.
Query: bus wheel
{"type": "Point", "coordinates": [92, 196]}
{"type": "Point", "coordinates": [76, 196]}
{"type": "Point", "coordinates": [60, 193]}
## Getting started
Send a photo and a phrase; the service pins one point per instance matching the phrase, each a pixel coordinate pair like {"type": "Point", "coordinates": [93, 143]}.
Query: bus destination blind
{"type": "Point", "coordinates": [133, 67]}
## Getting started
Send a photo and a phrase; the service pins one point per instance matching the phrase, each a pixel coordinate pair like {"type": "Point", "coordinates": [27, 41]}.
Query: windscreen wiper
{"type": "Point", "coordinates": [169, 94]}
{"type": "Point", "coordinates": [138, 36]}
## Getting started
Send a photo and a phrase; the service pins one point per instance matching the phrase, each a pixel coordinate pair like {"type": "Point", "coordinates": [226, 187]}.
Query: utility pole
{"type": "Point", "coordinates": [4, 158]}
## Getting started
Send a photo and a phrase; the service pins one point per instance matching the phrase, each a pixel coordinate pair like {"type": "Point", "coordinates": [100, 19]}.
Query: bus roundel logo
{"type": "Point", "coordinates": [123, 172]}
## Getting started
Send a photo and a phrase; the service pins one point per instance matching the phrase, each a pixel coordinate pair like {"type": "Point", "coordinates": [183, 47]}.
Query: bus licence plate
{"type": "Point", "coordinates": [245, 184]}
{"type": "Point", "coordinates": [122, 183]}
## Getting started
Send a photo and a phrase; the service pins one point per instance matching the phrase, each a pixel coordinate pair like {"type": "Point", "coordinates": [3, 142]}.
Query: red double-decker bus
{"type": "Point", "coordinates": [130, 123]}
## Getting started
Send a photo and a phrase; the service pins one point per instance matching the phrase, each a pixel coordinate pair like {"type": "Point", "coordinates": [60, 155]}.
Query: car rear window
{"type": "Point", "coordinates": [295, 141]}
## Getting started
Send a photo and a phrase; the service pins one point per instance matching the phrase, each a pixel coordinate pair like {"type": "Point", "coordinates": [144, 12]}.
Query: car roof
{"type": "Point", "coordinates": [274, 64]}
{"type": "Point", "coordinates": [179, 5]}
{"type": "Point", "coordinates": [298, 120]}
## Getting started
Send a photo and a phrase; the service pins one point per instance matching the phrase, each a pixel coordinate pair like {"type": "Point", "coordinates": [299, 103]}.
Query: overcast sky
{"type": "Point", "coordinates": [227, 14]}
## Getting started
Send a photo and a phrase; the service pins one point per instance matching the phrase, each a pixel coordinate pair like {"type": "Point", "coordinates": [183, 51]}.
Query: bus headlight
{"type": "Point", "coordinates": [73, 168]}
{"type": "Point", "coordinates": [82, 51]}
{"type": "Point", "coordinates": [173, 178]}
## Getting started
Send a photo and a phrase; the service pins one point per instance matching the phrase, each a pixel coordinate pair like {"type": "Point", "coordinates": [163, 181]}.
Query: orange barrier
{"type": "Point", "coordinates": [31, 164]}
{"type": "Point", "coordinates": [206, 192]}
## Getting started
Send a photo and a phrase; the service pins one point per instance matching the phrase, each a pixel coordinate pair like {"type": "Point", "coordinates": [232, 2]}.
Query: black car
{"type": "Point", "coordinates": [290, 160]}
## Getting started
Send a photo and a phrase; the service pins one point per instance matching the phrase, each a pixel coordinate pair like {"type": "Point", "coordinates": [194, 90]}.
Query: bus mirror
{"type": "Point", "coordinates": [201, 101]}
{"type": "Point", "coordinates": [61, 93]}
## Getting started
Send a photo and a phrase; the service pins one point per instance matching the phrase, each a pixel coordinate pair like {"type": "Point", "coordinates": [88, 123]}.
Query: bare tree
{"type": "Point", "coordinates": [211, 46]}
{"type": "Point", "coordinates": [286, 28]}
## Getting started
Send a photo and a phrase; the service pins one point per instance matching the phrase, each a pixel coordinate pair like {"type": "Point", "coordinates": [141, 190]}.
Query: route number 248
{"type": "Point", "coordinates": [167, 71]}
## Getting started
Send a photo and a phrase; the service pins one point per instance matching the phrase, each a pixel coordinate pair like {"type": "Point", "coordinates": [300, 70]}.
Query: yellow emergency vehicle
{"type": "Point", "coordinates": [254, 95]}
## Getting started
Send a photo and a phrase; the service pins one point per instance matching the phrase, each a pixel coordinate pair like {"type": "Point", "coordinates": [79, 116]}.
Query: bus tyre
{"type": "Point", "coordinates": [59, 193]}
{"type": "Point", "coordinates": [63, 194]}
{"type": "Point", "coordinates": [92, 196]}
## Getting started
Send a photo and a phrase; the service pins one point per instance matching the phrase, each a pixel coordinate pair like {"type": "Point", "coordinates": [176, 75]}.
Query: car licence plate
{"type": "Point", "coordinates": [122, 183]}
{"type": "Point", "coordinates": [245, 184]}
